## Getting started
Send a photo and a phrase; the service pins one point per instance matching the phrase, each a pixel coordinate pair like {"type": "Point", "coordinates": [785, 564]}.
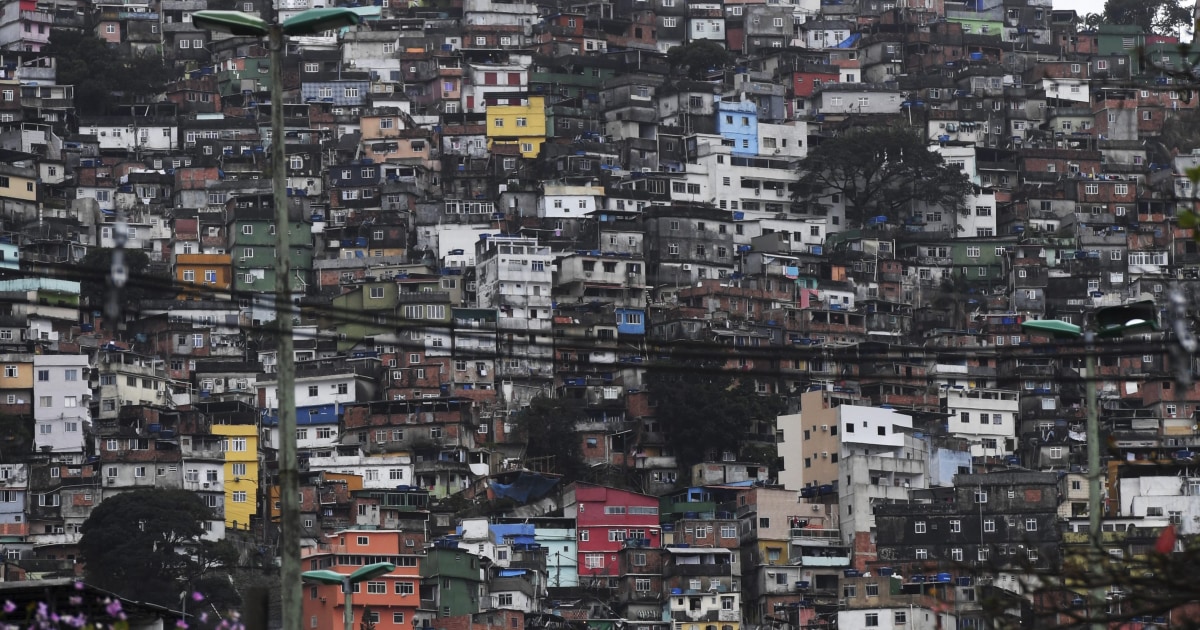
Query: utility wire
{"type": "Point", "coordinates": [663, 355]}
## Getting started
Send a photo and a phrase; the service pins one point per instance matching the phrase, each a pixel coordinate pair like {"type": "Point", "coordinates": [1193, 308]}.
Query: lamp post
{"type": "Point", "coordinates": [1110, 321]}
{"type": "Point", "coordinates": [325, 576]}
{"type": "Point", "coordinates": [304, 23]}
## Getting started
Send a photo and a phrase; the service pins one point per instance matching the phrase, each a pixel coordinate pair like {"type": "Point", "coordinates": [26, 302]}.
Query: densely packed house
{"type": "Point", "coordinates": [497, 202]}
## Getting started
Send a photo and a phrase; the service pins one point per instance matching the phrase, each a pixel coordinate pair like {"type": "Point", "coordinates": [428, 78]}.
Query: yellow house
{"type": "Point", "coordinates": [201, 275]}
{"type": "Point", "coordinates": [20, 184]}
{"type": "Point", "coordinates": [241, 472]}
{"type": "Point", "coordinates": [523, 125]}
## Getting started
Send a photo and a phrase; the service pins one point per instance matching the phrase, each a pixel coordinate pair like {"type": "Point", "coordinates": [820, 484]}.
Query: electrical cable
{"type": "Point", "coordinates": [675, 350]}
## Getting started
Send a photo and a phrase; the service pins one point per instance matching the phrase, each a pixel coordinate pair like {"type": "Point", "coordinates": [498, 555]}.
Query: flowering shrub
{"type": "Point", "coordinates": [101, 613]}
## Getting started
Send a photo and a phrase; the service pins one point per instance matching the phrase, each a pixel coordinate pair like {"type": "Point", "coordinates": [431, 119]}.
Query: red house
{"type": "Point", "coordinates": [810, 77]}
{"type": "Point", "coordinates": [604, 519]}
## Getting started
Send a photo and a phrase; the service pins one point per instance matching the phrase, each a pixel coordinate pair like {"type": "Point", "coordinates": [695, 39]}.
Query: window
{"type": "Point", "coordinates": [405, 588]}
{"type": "Point", "coordinates": [593, 560]}
{"type": "Point", "coordinates": [376, 293]}
{"type": "Point", "coordinates": [1031, 524]}
{"type": "Point", "coordinates": [984, 553]}
{"type": "Point", "coordinates": [955, 526]}
{"type": "Point", "coordinates": [871, 620]}
{"type": "Point", "coordinates": [989, 525]}
{"type": "Point", "coordinates": [956, 554]}
{"type": "Point", "coordinates": [239, 496]}
{"type": "Point", "coordinates": [10, 371]}
{"type": "Point", "coordinates": [980, 496]}
{"type": "Point", "coordinates": [919, 527]}
{"type": "Point", "coordinates": [872, 590]}
{"type": "Point", "coordinates": [922, 553]}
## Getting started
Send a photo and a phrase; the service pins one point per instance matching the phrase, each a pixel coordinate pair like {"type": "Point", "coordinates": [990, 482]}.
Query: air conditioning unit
{"type": "Point", "coordinates": [112, 481]}
{"type": "Point", "coordinates": [824, 454]}
{"type": "Point", "coordinates": [587, 274]}
{"type": "Point", "coordinates": [206, 484]}
{"type": "Point", "coordinates": [824, 427]}
{"type": "Point", "coordinates": [686, 267]}
{"type": "Point", "coordinates": [816, 508]}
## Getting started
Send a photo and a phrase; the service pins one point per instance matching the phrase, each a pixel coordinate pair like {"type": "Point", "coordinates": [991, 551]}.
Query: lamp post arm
{"type": "Point", "coordinates": [348, 608]}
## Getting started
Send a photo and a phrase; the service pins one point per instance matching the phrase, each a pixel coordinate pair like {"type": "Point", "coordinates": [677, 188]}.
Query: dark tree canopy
{"type": "Point", "coordinates": [102, 74]}
{"type": "Point", "coordinates": [145, 545]}
{"type": "Point", "coordinates": [548, 426]}
{"type": "Point", "coordinates": [706, 409]}
{"type": "Point", "coordinates": [1164, 17]}
{"type": "Point", "coordinates": [140, 286]}
{"type": "Point", "coordinates": [699, 59]}
{"type": "Point", "coordinates": [879, 171]}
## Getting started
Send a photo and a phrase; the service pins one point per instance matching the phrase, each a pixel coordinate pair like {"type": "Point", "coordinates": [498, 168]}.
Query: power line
{"type": "Point", "coordinates": [665, 355]}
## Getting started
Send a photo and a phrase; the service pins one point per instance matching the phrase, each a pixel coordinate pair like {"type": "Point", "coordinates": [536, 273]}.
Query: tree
{"type": "Point", "coordinates": [879, 171]}
{"type": "Point", "coordinates": [1164, 17]}
{"type": "Point", "coordinates": [146, 545]}
{"type": "Point", "coordinates": [699, 59]}
{"type": "Point", "coordinates": [140, 286]}
{"type": "Point", "coordinates": [99, 71]}
{"type": "Point", "coordinates": [548, 427]}
{"type": "Point", "coordinates": [704, 408]}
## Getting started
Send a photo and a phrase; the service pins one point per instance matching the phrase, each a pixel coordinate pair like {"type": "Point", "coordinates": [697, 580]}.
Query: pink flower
{"type": "Point", "coordinates": [113, 608]}
{"type": "Point", "coordinates": [9, 606]}
{"type": "Point", "coordinates": [197, 596]}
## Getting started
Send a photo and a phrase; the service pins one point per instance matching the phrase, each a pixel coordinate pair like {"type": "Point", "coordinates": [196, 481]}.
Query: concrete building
{"type": "Point", "coordinates": [61, 394]}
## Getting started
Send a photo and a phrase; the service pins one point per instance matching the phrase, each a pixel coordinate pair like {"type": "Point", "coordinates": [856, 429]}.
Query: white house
{"type": "Point", "coordinates": [61, 396]}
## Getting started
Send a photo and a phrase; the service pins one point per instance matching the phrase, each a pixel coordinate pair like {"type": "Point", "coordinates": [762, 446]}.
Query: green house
{"type": "Point", "coordinates": [451, 581]}
{"type": "Point", "coordinates": [251, 243]}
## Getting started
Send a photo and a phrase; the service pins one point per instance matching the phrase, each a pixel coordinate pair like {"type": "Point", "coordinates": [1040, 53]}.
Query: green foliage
{"type": "Point", "coordinates": [145, 545]}
{"type": "Point", "coordinates": [16, 436]}
{"type": "Point", "coordinates": [100, 72]}
{"type": "Point", "coordinates": [140, 286]}
{"type": "Point", "coordinates": [705, 409]}
{"type": "Point", "coordinates": [699, 59]}
{"type": "Point", "coordinates": [879, 171]}
{"type": "Point", "coordinates": [1164, 17]}
{"type": "Point", "coordinates": [548, 426]}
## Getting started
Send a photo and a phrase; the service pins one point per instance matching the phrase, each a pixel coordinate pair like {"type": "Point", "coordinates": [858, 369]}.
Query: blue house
{"type": "Point", "coordinates": [737, 123]}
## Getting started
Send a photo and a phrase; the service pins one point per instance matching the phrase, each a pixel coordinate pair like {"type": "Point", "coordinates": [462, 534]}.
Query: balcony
{"type": "Point", "coordinates": [821, 557]}
{"type": "Point", "coordinates": [814, 536]}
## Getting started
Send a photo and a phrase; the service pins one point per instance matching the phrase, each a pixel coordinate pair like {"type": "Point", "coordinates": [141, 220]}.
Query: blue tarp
{"type": "Point", "coordinates": [512, 572]}
{"type": "Point", "coordinates": [849, 42]}
{"type": "Point", "coordinates": [528, 486]}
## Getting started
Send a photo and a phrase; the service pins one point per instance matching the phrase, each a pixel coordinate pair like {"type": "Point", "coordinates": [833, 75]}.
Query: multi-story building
{"type": "Point", "coordinates": [391, 599]}
{"type": "Point", "coordinates": [605, 518]}
{"type": "Point", "coordinates": [61, 391]}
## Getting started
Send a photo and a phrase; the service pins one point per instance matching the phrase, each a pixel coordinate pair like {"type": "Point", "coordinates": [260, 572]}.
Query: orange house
{"type": "Point", "coordinates": [210, 274]}
{"type": "Point", "coordinates": [393, 598]}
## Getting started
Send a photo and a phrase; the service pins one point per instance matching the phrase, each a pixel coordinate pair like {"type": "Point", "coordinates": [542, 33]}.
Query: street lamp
{"type": "Point", "coordinates": [304, 23]}
{"type": "Point", "coordinates": [325, 576]}
{"type": "Point", "coordinates": [1110, 321]}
